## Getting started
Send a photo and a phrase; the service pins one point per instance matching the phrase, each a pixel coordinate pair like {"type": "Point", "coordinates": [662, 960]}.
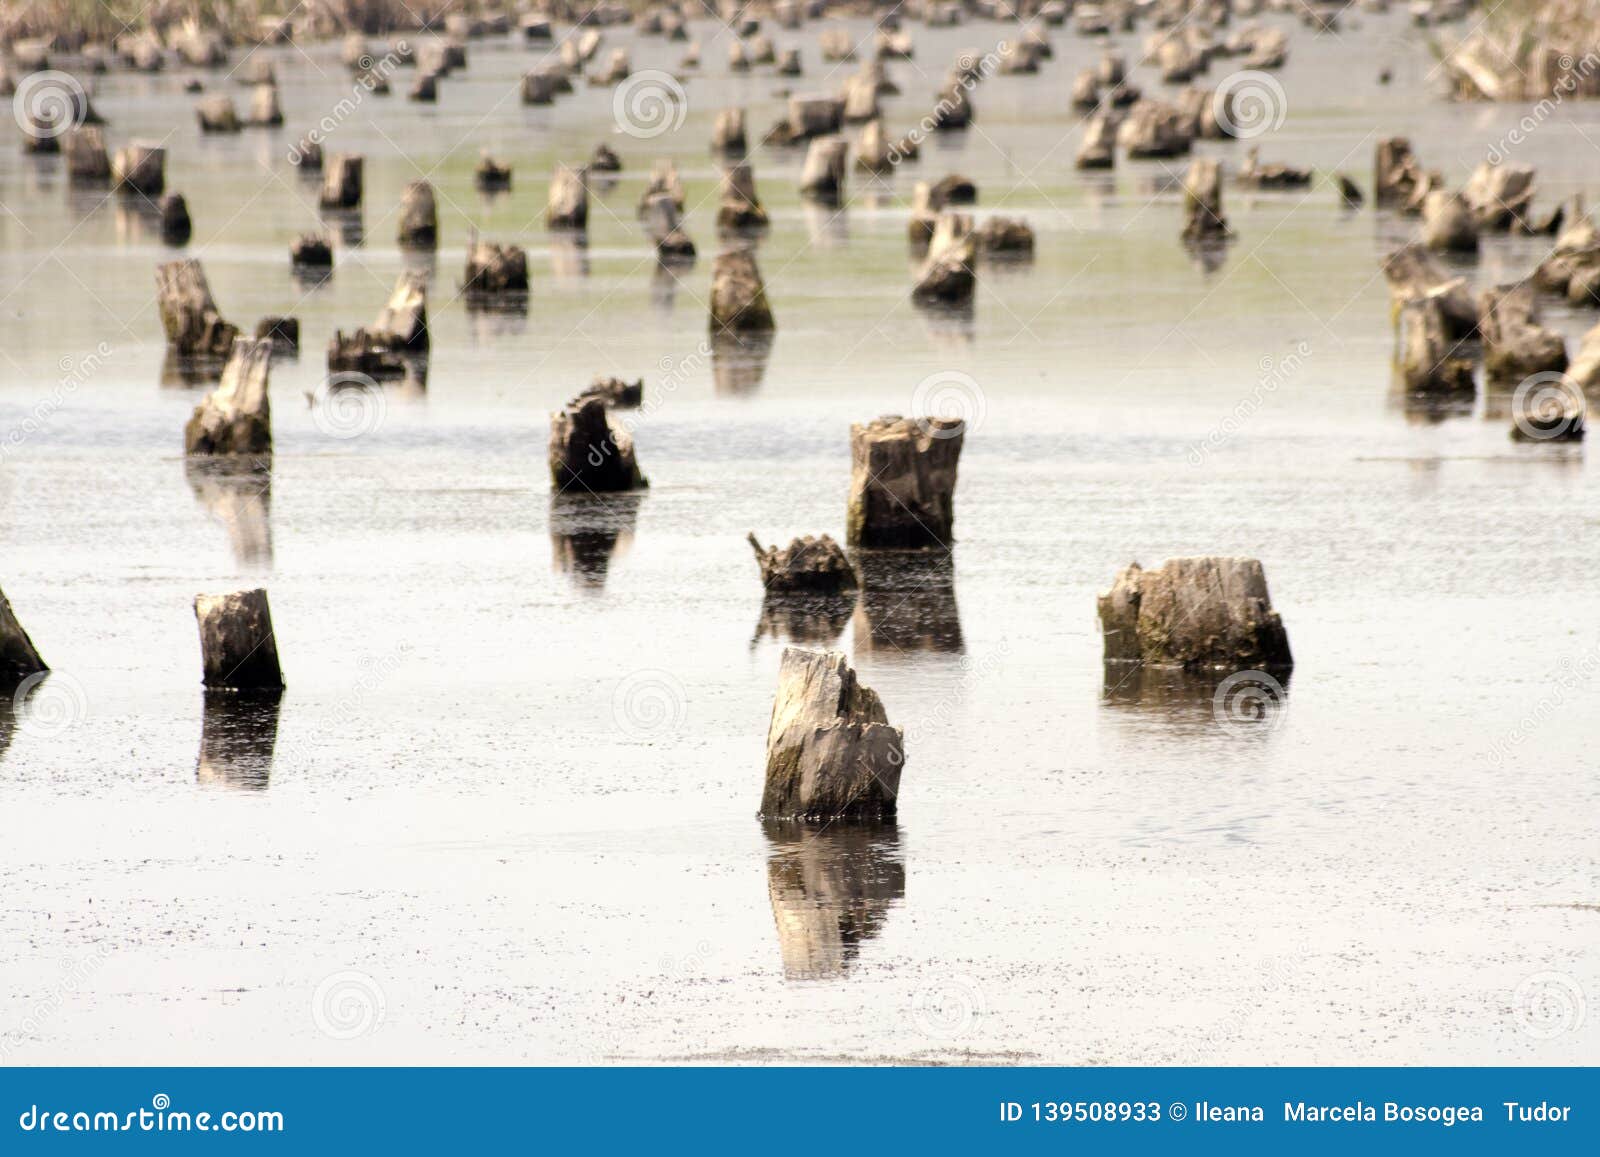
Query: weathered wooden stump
{"type": "Point", "coordinates": [189, 315]}
{"type": "Point", "coordinates": [176, 228]}
{"type": "Point", "coordinates": [1500, 197]}
{"type": "Point", "coordinates": [19, 659]}
{"type": "Point", "coordinates": [1153, 128]}
{"type": "Point", "coordinates": [403, 321]}
{"type": "Point", "coordinates": [1432, 361]}
{"type": "Point", "coordinates": [1202, 199]}
{"type": "Point", "coordinates": [809, 564]}
{"type": "Point", "coordinates": [740, 208]}
{"type": "Point", "coordinates": [738, 296]}
{"type": "Point", "coordinates": [491, 176]}
{"type": "Point", "coordinates": [1515, 345]}
{"type": "Point", "coordinates": [1208, 613]}
{"type": "Point", "coordinates": [588, 452]}
{"type": "Point", "coordinates": [728, 131]}
{"type": "Point", "coordinates": [831, 753]}
{"type": "Point", "coordinates": [902, 482]}
{"type": "Point", "coordinates": [310, 252]}
{"type": "Point", "coordinates": [342, 181]}
{"type": "Point", "coordinates": [236, 417]}
{"type": "Point", "coordinates": [1447, 223]}
{"type": "Point", "coordinates": [1396, 173]}
{"type": "Point", "coordinates": [493, 270]}
{"type": "Point", "coordinates": [568, 204]}
{"type": "Point", "coordinates": [1413, 272]}
{"type": "Point", "coordinates": [265, 111]}
{"type": "Point", "coordinates": [616, 393]}
{"type": "Point", "coordinates": [822, 176]}
{"type": "Point", "coordinates": [140, 168]}
{"type": "Point", "coordinates": [665, 226]}
{"type": "Point", "coordinates": [872, 149]}
{"type": "Point", "coordinates": [419, 216]}
{"type": "Point", "coordinates": [86, 159]}
{"type": "Point", "coordinates": [1005, 237]}
{"type": "Point", "coordinates": [217, 114]}
{"type": "Point", "coordinates": [948, 275]}
{"type": "Point", "coordinates": [238, 650]}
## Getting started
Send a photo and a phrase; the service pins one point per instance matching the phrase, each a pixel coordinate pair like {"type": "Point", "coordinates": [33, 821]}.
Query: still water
{"type": "Point", "coordinates": [505, 811]}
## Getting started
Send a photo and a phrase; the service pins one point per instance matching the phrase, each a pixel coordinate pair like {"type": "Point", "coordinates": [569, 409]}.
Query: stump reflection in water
{"type": "Point", "coordinates": [238, 494]}
{"type": "Point", "coordinates": [587, 531]}
{"type": "Point", "coordinates": [908, 603]}
{"type": "Point", "coordinates": [832, 886]}
{"type": "Point", "coordinates": [739, 361]}
{"type": "Point", "coordinates": [811, 620]}
{"type": "Point", "coordinates": [1243, 702]}
{"type": "Point", "coordinates": [238, 735]}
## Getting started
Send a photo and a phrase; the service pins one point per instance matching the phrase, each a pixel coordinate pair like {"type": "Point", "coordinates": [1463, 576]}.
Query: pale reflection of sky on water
{"type": "Point", "coordinates": [508, 798]}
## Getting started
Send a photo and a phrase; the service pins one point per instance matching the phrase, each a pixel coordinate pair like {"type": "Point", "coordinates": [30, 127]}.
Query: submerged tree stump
{"type": "Point", "coordinates": [236, 417]}
{"type": "Point", "coordinates": [19, 659]}
{"type": "Point", "coordinates": [1431, 360]}
{"type": "Point", "coordinates": [831, 753]}
{"type": "Point", "coordinates": [403, 321]}
{"type": "Point", "coordinates": [903, 481]}
{"type": "Point", "coordinates": [1208, 613]}
{"type": "Point", "coordinates": [740, 207]}
{"type": "Point", "coordinates": [1515, 345]}
{"type": "Point", "coordinates": [738, 295]}
{"type": "Point", "coordinates": [419, 216]}
{"type": "Point", "coordinates": [568, 206]}
{"type": "Point", "coordinates": [728, 131]}
{"type": "Point", "coordinates": [140, 168]}
{"type": "Point", "coordinates": [589, 452]}
{"type": "Point", "coordinates": [1202, 199]}
{"type": "Point", "coordinates": [86, 159]}
{"type": "Point", "coordinates": [815, 565]}
{"type": "Point", "coordinates": [948, 275]}
{"type": "Point", "coordinates": [495, 269]}
{"type": "Point", "coordinates": [176, 227]}
{"type": "Point", "coordinates": [822, 177]}
{"type": "Point", "coordinates": [342, 177]}
{"type": "Point", "coordinates": [238, 650]}
{"type": "Point", "coordinates": [189, 315]}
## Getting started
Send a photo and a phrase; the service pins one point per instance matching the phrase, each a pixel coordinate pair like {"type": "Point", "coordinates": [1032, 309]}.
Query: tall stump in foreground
{"type": "Point", "coordinates": [1201, 614]}
{"type": "Point", "coordinates": [831, 753]}
{"type": "Point", "coordinates": [19, 659]}
{"type": "Point", "coordinates": [589, 452]}
{"type": "Point", "coordinates": [903, 481]}
{"type": "Point", "coordinates": [236, 417]}
{"type": "Point", "coordinates": [237, 646]}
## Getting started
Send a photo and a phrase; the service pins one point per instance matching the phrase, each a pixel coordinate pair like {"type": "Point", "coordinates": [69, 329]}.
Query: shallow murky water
{"type": "Point", "coordinates": [505, 810]}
